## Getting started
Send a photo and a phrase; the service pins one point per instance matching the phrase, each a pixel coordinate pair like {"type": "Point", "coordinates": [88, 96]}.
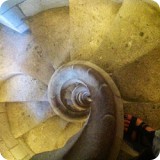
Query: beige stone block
{"type": "Point", "coordinates": [18, 152]}
{"type": "Point", "coordinates": [25, 146]}
{"type": "Point", "coordinates": [5, 132]}
{"type": "Point", "coordinates": [90, 22]}
{"type": "Point", "coordinates": [25, 116]}
{"type": "Point", "coordinates": [22, 88]}
{"type": "Point", "coordinates": [35, 62]}
{"type": "Point", "coordinates": [5, 151]}
{"type": "Point", "coordinates": [52, 32]}
{"type": "Point", "coordinates": [139, 81]}
{"type": "Point", "coordinates": [2, 107]}
{"type": "Point", "coordinates": [28, 58]}
{"type": "Point", "coordinates": [45, 136]}
{"type": "Point", "coordinates": [116, 44]}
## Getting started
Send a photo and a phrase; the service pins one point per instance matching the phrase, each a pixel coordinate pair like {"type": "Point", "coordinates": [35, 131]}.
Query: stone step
{"type": "Point", "coordinates": [51, 134]}
{"type": "Point", "coordinates": [11, 148]}
{"type": "Point", "coordinates": [22, 88]}
{"type": "Point", "coordinates": [23, 117]}
{"type": "Point", "coordinates": [115, 39]}
{"type": "Point", "coordinates": [52, 33]}
{"type": "Point", "coordinates": [90, 22]}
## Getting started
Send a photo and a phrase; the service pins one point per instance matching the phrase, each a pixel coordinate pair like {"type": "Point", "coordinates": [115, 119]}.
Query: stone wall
{"type": "Point", "coordinates": [13, 13]}
{"type": "Point", "coordinates": [32, 7]}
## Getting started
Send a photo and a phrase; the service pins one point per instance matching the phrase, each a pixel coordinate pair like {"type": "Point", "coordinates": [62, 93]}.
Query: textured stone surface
{"type": "Point", "coordinates": [25, 116]}
{"type": "Point", "coordinates": [52, 32]}
{"type": "Point", "coordinates": [90, 23]}
{"type": "Point", "coordinates": [139, 81]}
{"type": "Point", "coordinates": [26, 147]}
{"type": "Point", "coordinates": [45, 137]}
{"type": "Point", "coordinates": [127, 35]}
{"type": "Point", "coordinates": [21, 53]}
{"type": "Point", "coordinates": [2, 107]}
{"type": "Point", "coordinates": [22, 88]}
{"type": "Point", "coordinates": [5, 152]}
{"type": "Point", "coordinates": [28, 53]}
{"type": "Point", "coordinates": [118, 37]}
{"type": "Point", "coordinates": [149, 112]}
{"type": "Point", "coordinates": [5, 133]}
{"type": "Point", "coordinates": [11, 148]}
{"type": "Point", "coordinates": [18, 152]}
{"type": "Point", "coordinates": [36, 62]}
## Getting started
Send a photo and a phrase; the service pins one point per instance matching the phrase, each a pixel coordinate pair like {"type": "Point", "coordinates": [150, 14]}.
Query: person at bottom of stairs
{"type": "Point", "coordinates": [141, 137]}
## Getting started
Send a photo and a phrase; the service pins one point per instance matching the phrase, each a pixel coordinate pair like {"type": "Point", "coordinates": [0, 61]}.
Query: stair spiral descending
{"type": "Point", "coordinates": [37, 118]}
{"type": "Point", "coordinates": [81, 91]}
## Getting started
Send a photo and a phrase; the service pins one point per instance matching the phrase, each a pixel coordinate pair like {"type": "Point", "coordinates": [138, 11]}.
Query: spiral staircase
{"type": "Point", "coordinates": [59, 80]}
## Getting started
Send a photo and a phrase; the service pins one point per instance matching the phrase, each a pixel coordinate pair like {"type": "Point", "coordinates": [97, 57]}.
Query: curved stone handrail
{"type": "Point", "coordinates": [101, 136]}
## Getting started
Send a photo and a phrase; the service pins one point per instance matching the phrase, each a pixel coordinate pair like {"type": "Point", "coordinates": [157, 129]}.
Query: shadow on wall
{"type": "Point", "coordinates": [14, 12]}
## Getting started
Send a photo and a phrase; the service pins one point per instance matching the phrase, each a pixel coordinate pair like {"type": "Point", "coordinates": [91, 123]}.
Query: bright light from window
{"type": "Point", "coordinates": [1, 158]}
{"type": "Point", "coordinates": [158, 158]}
{"type": "Point", "coordinates": [2, 1]}
{"type": "Point", "coordinates": [158, 1]}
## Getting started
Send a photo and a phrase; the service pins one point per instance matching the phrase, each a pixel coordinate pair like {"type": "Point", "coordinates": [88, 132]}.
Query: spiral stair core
{"type": "Point", "coordinates": [100, 45]}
